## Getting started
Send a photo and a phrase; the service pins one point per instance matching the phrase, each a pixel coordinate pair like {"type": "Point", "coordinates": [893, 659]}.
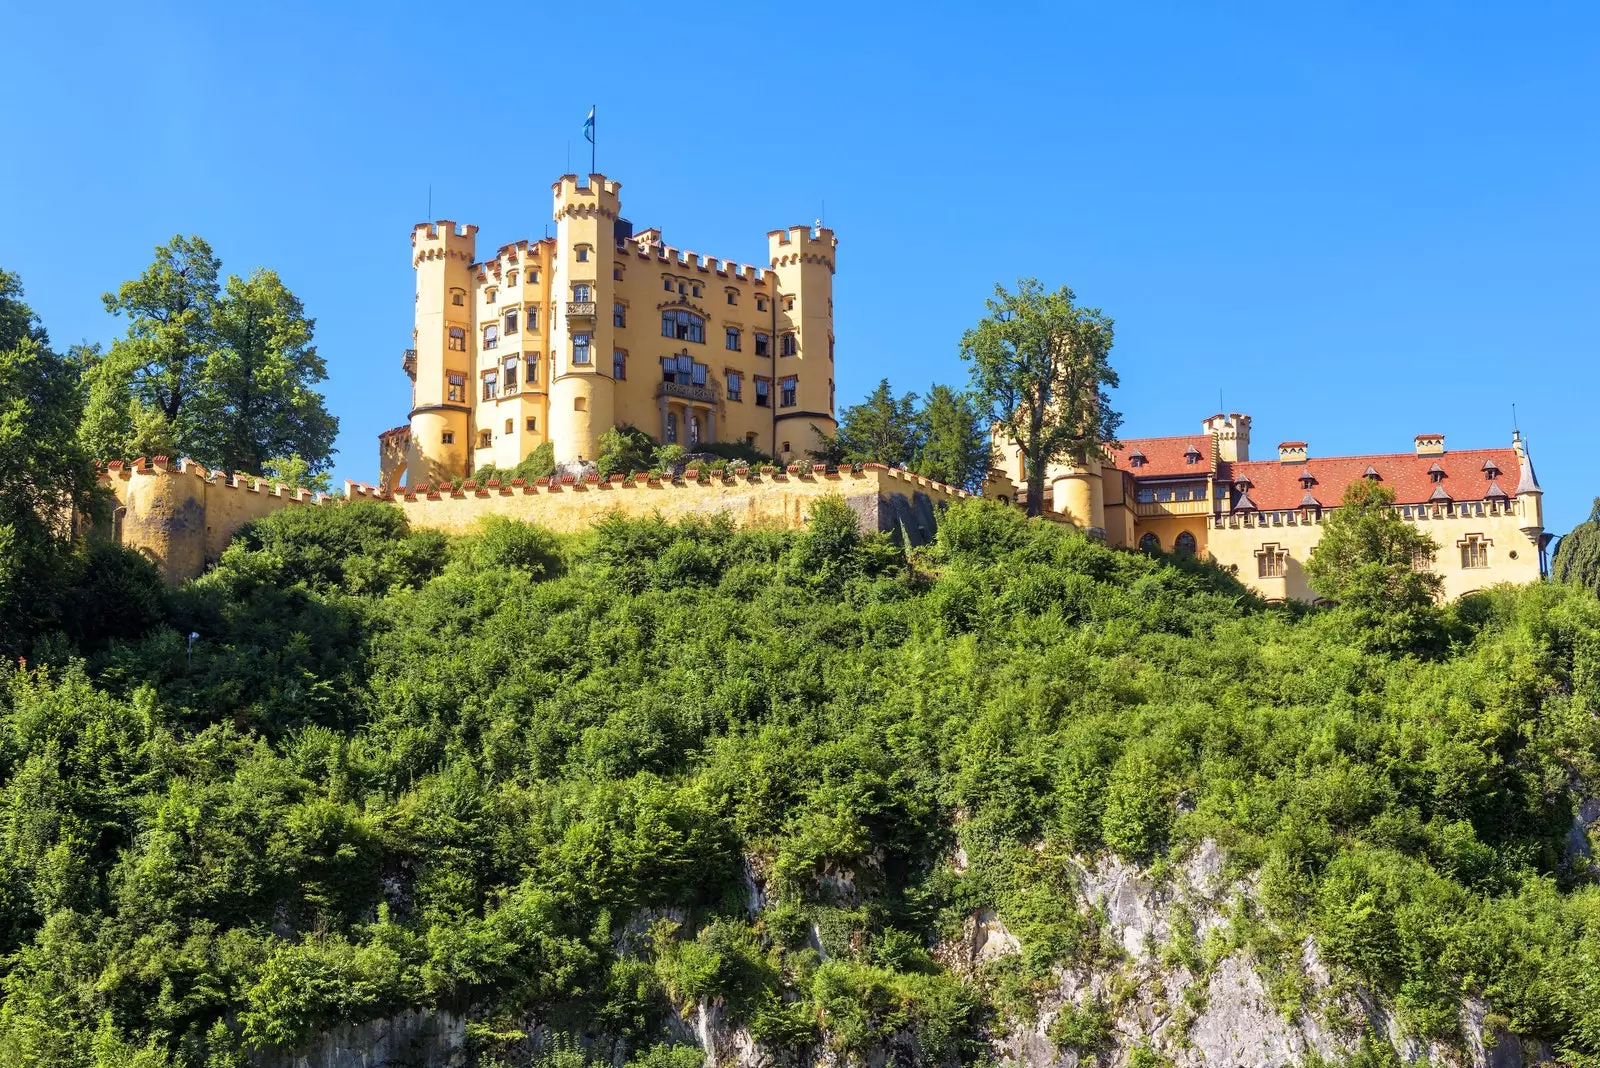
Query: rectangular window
{"type": "Point", "coordinates": [666, 283]}
{"type": "Point", "coordinates": [583, 253]}
{"type": "Point", "coordinates": [619, 366]}
{"type": "Point", "coordinates": [789, 388]}
{"type": "Point", "coordinates": [533, 424]}
{"type": "Point", "coordinates": [619, 315]}
{"type": "Point", "coordinates": [485, 438]}
{"type": "Point", "coordinates": [683, 326]}
{"type": "Point", "coordinates": [491, 382]}
{"type": "Point", "coordinates": [732, 339]}
{"type": "Point", "coordinates": [580, 348]}
{"type": "Point", "coordinates": [616, 274]}
{"type": "Point", "coordinates": [511, 321]}
{"type": "Point", "coordinates": [789, 346]}
{"type": "Point", "coordinates": [1271, 562]}
{"type": "Point", "coordinates": [735, 385]}
{"type": "Point", "coordinates": [733, 297]}
{"type": "Point", "coordinates": [1474, 552]}
{"type": "Point", "coordinates": [533, 319]}
{"type": "Point", "coordinates": [458, 339]}
{"type": "Point", "coordinates": [533, 368]}
{"type": "Point", "coordinates": [490, 296]}
{"type": "Point", "coordinates": [581, 294]}
{"type": "Point", "coordinates": [491, 336]}
{"type": "Point", "coordinates": [457, 391]}
{"type": "Point", "coordinates": [763, 344]}
{"type": "Point", "coordinates": [510, 368]}
{"type": "Point", "coordinates": [763, 392]}
{"type": "Point", "coordinates": [447, 438]}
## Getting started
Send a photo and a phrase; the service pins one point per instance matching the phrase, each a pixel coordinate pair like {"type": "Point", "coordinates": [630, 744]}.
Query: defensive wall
{"type": "Point", "coordinates": [183, 516]}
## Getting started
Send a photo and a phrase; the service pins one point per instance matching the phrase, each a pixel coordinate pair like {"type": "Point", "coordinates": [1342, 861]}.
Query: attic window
{"type": "Point", "coordinates": [1435, 472]}
{"type": "Point", "coordinates": [1136, 458]}
{"type": "Point", "coordinates": [1372, 473]}
{"type": "Point", "coordinates": [1192, 456]}
{"type": "Point", "coordinates": [1306, 478]}
{"type": "Point", "coordinates": [1490, 470]}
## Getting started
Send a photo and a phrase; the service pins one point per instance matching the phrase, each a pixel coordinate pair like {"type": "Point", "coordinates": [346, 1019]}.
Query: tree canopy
{"type": "Point", "coordinates": [1040, 367]}
{"type": "Point", "coordinates": [1577, 557]}
{"type": "Point", "coordinates": [222, 373]}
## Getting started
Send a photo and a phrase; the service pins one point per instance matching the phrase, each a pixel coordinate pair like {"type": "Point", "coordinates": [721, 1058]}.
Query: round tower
{"type": "Point", "coordinates": [803, 263]}
{"type": "Point", "coordinates": [441, 362]}
{"type": "Point", "coordinates": [582, 401]}
{"type": "Point", "coordinates": [1078, 492]}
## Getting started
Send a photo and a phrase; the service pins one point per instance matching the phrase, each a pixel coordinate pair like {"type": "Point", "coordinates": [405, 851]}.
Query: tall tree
{"type": "Point", "coordinates": [171, 309]}
{"type": "Point", "coordinates": [256, 401]}
{"type": "Point", "coordinates": [45, 478]}
{"type": "Point", "coordinates": [1040, 367]}
{"type": "Point", "coordinates": [1375, 566]}
{"type": "Point", "coordinates": [1577, 558]}
{"type": "Point", "coordinates": [882, 429]}
{"type": "Point", "coordinates": [956, 445]}
{"type": "Point", "coordinates": [224, 375]}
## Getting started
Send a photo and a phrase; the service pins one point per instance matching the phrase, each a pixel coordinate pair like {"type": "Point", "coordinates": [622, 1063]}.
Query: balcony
{"type": "Point", "coordinates": [580, 309]}
{"type": "Point", "coordinates": [408, 363]}
{"type": "Point", "coordinates": [703, 394]}
{"type": "Point", "coordinates": [1156, 509]}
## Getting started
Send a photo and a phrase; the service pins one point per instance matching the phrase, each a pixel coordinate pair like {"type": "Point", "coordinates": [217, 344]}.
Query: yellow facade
{"type": "Point", "coordinates": [560, 339]}
{"type": "Point", "coordinates": [1203, 494]}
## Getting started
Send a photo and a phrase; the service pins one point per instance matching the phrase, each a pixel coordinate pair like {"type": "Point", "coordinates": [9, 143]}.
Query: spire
{"type": "Point", "coordinates": [1527, 481]}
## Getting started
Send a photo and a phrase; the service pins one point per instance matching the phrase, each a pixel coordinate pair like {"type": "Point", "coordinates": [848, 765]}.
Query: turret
{"type": "Point", "coordinates": [1231, 433]}
{"type": "Point", "coordinates": [440, 362]}
{"type": "Point", "coordinates": [802, 259]}
{"type": "Point", "coordinates": [582, 394]}
{"type": "Point", "coordinates": [1528, 491]}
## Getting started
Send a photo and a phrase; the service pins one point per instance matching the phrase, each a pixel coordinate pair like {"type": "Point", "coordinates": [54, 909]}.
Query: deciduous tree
{"type": "Point", "coordinates": [1041, 366]}
{"type": "Point", "coordinates": [1373, 564]}
{"type": "Point", "coordinates": [1577, 558]}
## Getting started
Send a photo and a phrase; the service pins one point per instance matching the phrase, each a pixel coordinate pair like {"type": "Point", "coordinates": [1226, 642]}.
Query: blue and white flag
{"type": "Point", "coordinates": [588, 127]}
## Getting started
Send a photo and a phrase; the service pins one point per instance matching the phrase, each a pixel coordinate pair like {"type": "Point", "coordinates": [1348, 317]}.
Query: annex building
{"type": "Point", "coordinates": [559, 339]}
{"type": "Point", "coordinates": [1203, 494]}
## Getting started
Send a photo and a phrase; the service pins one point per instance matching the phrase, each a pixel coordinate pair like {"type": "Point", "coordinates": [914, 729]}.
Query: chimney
{"type": "Point", "coordinates": [1291, 452]}
{"type": "Point", "coordinates": [1430, 444]}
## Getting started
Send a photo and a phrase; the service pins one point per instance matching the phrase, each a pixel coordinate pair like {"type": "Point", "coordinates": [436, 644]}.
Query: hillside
{"type": "Point", "coordinates": [795, 797]}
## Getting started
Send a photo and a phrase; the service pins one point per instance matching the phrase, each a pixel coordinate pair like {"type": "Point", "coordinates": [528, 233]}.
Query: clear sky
{"type": "Point", "coordinates": [1356, 222]}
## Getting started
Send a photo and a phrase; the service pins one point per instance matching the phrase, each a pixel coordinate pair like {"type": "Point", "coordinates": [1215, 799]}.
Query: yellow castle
{"type": "Point", "coordinates": [1202, 494]}
{"type": "Point", "coordinates": [559, 339]}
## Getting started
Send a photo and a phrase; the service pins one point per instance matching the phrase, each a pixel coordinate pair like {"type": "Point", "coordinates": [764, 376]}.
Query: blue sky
{"type": "Point", "coordinates": [1357, 222]}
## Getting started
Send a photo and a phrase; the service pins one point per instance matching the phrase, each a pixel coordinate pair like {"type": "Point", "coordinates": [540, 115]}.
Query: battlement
{"type": "Point", "coordinates": [601, 196]}
{"type": "Point", "coordinates": [443, 239]}
{"type": "Point", "coordinates": [685, 259]}
{"type": "Point", "coordinates": [802, 244]}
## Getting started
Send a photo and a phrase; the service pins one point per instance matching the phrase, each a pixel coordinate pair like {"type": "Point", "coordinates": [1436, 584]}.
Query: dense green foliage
{"type": "Point", "coordinates": [222, 372]}
{"type": "Point", "coordinates": [945, 436]}
{"type": "Point", "coordinates": [533, 778]}
{"type": "Point", "coordinates": [1040, 366]}
{"type": "Point", "coordinates": [1577, 557]}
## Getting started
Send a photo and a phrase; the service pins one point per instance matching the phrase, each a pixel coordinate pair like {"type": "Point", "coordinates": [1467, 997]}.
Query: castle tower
{"type": "Point", "coordinates": [803, 260]}
{"type": "Point", "coordinates": [582, 393]}
{"type": "Point", "coordinates": [441, 362]}
{"type": "Point", "coordinates": [1078, 492]}
{"type": "Point", "coordinates": [1231, 434]}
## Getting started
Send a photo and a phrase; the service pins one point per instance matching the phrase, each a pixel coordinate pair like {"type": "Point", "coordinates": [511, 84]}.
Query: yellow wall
{"type": "Point", "coordinates": [183, 518]}
{"type": "Point", "coordinates": [1238, 541]}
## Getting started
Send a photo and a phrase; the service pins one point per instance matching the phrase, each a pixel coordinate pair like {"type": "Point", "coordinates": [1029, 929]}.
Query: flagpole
{"type": "Point", "coordinates": [594, 135]}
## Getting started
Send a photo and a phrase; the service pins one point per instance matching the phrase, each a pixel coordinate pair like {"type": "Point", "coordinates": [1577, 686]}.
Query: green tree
{"type": "Point", "coordinates": [1367, 562]}
{"type": "Point", "coordinates": [256, 399]}
{"type": "Point", "coordinates": [1040, 366]}
{"type": "Point", "coordinates": [171, 312]}
{"type": "Point", "coordinates": [1577, 558]}
{"type": "Point", "coordinates": [882, 429]}
{"type": "Point", "coordinates": [955, 443]}
{"type": "Point", "coordinates": [223, 375]}
{"type": "Point", "coordinates": [46, 481]}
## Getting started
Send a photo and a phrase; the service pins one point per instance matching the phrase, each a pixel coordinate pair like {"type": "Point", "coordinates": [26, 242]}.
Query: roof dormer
{"type": "Point", "coordinates": [1136, 458]}
{"type": "Point", "coordinates": [1436, 472]}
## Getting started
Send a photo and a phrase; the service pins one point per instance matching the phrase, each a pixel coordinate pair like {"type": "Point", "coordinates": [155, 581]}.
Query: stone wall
{"type": "Point", "coordinates": [183, 516]}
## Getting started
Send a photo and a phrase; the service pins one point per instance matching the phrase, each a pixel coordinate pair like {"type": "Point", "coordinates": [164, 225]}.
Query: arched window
{"type": "Point", "coordinates": [1185, 543]}
{"type": "Point", "coordinates": [683, 326]}
{"type": "Point", "coordinates": [1150, 543]}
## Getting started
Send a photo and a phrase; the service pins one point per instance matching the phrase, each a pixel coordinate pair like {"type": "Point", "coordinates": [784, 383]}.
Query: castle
{"type": "Point", "coordinates": [559, 339]}
{"type": "Point", "coordinates": [1203, 495]}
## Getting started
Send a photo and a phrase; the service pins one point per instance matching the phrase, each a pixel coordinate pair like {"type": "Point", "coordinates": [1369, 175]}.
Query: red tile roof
{"type": "Point", "coordinates": [1164, 457]}
{"type": "Point", "coordinates": [1277, 486]}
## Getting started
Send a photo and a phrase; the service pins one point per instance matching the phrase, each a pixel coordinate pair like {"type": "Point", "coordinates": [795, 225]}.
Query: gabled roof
{"type": "Point", "coordinates": [1275, 486]}
{"type": "Point", "coordinates": [1165, 457]}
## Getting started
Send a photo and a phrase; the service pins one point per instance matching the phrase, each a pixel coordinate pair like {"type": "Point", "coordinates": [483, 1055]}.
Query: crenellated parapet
{"type": "Point", "coordinates": [443, 240]}
{"type": "Point", "coordinates": [802, 244]}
